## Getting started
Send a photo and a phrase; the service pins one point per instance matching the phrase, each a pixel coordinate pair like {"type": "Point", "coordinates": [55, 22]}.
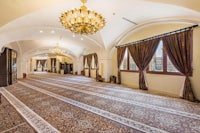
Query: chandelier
{"type": "Point", "coordinates": [82, 21]}
{"type": "Point", "coordinates": [56, 50]}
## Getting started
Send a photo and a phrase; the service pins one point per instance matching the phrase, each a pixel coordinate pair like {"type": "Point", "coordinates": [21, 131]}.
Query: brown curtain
{"type": "Point", "coordinates": [142, 54]}
{"type": "Point", "coordinates": [84, 57]}
{"type": "Point", "coordinates": [89, 62]}
{"type": "Point", "coordinates": [42, 62]}
{"type": "Point", "coordinates": [37, 61]}
{"type": "Point", "coordinates": [53, 63]}
{"type": "Point", "coordinates": [120, 56]}
{"type": "Point", "coordinates": [178, 47]}
{"type": "Point", "coordinates": [96, 63]}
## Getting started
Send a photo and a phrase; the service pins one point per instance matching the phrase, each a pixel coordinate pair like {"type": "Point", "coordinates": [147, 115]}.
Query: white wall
{"type": "Point", "coordinates": [196, 63]}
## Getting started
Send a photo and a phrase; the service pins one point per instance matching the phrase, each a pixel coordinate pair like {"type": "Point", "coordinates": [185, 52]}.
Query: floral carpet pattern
{"type": "Point", "coordinates": [11, 121]}
{"type": "Point", "coordinates": [77, 104]}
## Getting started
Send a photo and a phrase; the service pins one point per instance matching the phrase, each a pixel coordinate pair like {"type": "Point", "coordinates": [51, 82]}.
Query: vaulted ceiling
{"type": "Point", "coordinates": [34, 25]}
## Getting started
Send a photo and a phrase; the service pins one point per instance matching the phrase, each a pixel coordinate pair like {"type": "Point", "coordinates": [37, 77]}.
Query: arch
{"type": "Point", "coordinates": [145, 24]}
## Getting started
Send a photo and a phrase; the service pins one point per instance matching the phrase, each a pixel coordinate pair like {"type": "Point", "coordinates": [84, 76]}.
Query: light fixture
{"type": "Point", "coordinates": [73, 35]}
{"type": "Point", "coordinates": [52, 32]}
{"type": "Point", "coordinates": [56, 50]}
{"type": "Point", "coordinates": [82, 21]}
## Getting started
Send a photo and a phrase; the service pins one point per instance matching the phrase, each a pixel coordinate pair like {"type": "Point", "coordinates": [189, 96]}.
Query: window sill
{"type": "Point", "coordinates": [165, 73]}
{"type": "Point", "coordinates": [136, 71]}
{"type": "Point", "coordinates": [150, 72]}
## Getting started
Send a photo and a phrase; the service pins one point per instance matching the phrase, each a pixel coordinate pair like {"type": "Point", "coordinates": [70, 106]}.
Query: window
{"type": "Point", "coordinates": [170, 66]}
{"type": "Point", "coordinates": [86, 65]}
{"type": "Point", "coordinates": [124, 64]}
{"type": "Point", "coordinates": [156, 63]}
{"type": "Point", "coordinates": [132, 65]}
{"type": "Point", "coordinates": [93, 63]}
{"type": "Point", "coordinates": [128, 63]}
{"type": "Point", "coordinates": [161, 63]}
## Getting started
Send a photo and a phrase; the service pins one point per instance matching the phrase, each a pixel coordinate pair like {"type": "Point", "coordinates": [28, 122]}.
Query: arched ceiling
{"type": "Point", "coordinates": [35, 24]}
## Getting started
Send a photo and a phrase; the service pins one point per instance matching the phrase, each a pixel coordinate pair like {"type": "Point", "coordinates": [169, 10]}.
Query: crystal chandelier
{"type": "Point", "coordinates": [82, 21]}
{"type": "Point", "coordinates": [57, 50]}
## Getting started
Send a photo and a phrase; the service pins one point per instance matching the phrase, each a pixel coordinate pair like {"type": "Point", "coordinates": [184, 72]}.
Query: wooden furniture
{"type": "Point", "coordinates": [8, 67]}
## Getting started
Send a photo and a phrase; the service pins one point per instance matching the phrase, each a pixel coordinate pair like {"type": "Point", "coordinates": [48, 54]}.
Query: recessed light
{"type": "Point", "coordinates": [52, 31]}
{"type": "Point", "coordinates": [41, 31]}
{"type": "Point", "coordinates": [73, 35]}
{"type": "Point", "coordinates": [81, 38]}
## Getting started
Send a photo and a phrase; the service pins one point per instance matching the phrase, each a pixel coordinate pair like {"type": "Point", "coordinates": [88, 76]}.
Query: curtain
{"type": "Point", "coordinates": [42, 62]}
{"type": "Point", "coordinates": [53, 63]}
{"type": "Point", "coordinates": [120, 56]}
{"type": "Point", "coordinates": [96, 63]}
{"type": "Point", "coordinates": [178, 47]}
{"type": "Point", "coordinates": [84, 57]}
{"type": "Point", "coordinates": [142, 54]}
{"type": "Point", "coordinates": [89, 62]}
{"type": "Point", "coordinates": [37, 61]}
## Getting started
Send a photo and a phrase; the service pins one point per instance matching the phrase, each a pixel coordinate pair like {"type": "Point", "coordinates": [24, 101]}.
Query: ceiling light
{"type": "Point", "coordinates": [56, 50]}
{"type": "Point", "coordinates": [82, 21]}
{"type": "Point", "coordinates": [41, 31]}
{"type": "Point", "coordinates": [73, 35]}
{"type": "Point", "coordinates": [52, 31]}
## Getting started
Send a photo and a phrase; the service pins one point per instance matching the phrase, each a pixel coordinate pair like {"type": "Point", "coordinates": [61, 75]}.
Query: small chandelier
{"type": "Point", "coordinates": [82, 21]}
{"type": "Point", "coordinates": [57, 50]}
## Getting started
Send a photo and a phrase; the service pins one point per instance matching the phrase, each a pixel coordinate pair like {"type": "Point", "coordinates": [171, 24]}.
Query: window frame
{"type": "Point", "coordinates": [164, 72]}
{"type": "Point", "coordinates": [128, 63]}
{"type": "Point", "coordinates": [86, 65]}
{"type": "Point", "coordinates": [93, 63]}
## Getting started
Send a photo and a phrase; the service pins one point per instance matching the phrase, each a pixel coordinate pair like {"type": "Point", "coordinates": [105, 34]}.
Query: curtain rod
{"type": "Point", "coordinates": [158, 36]}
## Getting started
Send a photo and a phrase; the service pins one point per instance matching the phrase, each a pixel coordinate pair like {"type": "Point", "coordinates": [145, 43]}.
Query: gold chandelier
{"type": "Point", "coordinates": [57, 50]}
{"type": "Point", "coordinates": [82, 21]}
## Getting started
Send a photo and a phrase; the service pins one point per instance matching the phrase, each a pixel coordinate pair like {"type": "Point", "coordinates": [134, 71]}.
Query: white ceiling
{"type": "Point", "coordinates": [25, 30]}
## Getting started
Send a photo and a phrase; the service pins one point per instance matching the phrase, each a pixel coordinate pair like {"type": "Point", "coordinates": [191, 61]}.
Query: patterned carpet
{"type": "Point", "coordinates": [81, 105]}
{"type": "Point", "coordinates": [11, 121]}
